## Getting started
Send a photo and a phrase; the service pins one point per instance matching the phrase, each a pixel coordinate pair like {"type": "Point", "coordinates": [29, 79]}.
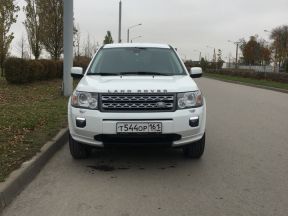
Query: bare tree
{"type": "Point", "coordinates": [77, 41]}
{"type": "Point", "coordinates": [95, 47]}
{"type": "Point", "coordinates": [22, 48]}
{"type": "Point", "coordinates": [88, 47]}
{"type": "Point", "coordinates": [8, 16]}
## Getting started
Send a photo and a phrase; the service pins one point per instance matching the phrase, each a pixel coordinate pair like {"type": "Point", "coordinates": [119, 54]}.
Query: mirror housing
{"type": "Point", "coordinates": [77, 72]}
{"type": "Point", "coordinates": [195, 72]}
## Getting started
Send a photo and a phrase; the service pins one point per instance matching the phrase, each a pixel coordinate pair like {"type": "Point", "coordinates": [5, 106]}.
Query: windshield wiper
{"type": "Point", "coordinates": [104, 74]}
{"type": "Point", "coordinates": [145, 73]}
{"type": "Point", "coordinates": [148, 73]}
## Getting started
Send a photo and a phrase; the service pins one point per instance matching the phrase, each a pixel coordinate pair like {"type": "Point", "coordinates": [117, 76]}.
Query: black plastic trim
{"type": "Point", "coordinates": [194, 123]}
{"type": "Point", "coordinates": [80, 123]}
{"type": "Point", "coordinates": [134, 138]}
{"type": "Point", "coordinates": [127, 120]}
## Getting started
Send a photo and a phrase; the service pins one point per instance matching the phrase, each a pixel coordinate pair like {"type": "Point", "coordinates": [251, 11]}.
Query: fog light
{"type": "Point", "coordinates": [80, 122]}
{"type": "Point", "coordinates": [194, 121]}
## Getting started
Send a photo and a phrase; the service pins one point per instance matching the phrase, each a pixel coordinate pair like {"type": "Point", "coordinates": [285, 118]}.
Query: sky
{"type": "Point", "coordinates": [189, 25]}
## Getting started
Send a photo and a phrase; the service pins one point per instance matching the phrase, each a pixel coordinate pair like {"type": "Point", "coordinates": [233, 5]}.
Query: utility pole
{"type": "Point", "coordinates": [214, 60]}
{"type": "Point", "coordinates": [120, 21]}
{"type": "Point", "coordinates": [229, 61]}
{"type": "Point", "coordinates": [68, 48]}
{"type": "Point", "coordinates": [237, 47]}
{"type": "Point", "coordinates": [214, 56]}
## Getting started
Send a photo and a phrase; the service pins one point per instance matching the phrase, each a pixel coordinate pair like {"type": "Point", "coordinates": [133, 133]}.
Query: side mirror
{"type": "Point", "coordinates": [77, 72]}
{"type": "Point", "coordinates": [196, 72]}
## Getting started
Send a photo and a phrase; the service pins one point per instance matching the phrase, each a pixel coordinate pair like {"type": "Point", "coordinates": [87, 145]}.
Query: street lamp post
{"type": "Point", "coordinates": [120, 22]}
{"type": "Point", "coordinates": [134, 38]}
{"type": "Point", "coordinates": [237, 47]}
{"type": "Point", "coordinates": [128, 30]}
{"type": "Point", "coordinates": [68, 47]}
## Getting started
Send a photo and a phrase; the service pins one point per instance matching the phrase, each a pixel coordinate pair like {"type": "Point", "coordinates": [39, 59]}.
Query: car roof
{"type": "Point", "coordinates": [141, 45]}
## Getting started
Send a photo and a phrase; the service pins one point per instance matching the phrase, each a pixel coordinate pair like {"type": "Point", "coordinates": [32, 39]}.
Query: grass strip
{"type": "Point", "coordinates": [265, 83]}
{"type": "Point", "coordinates": [30, 115]}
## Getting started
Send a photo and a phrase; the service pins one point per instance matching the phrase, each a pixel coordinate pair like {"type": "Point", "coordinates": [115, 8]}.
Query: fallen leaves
{"type": "Point", "coordinates": [29, 116]}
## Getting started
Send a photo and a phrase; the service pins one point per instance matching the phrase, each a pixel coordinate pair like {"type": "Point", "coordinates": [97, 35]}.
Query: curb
{"type": "Point", "coordinates": [20, 178]}
{"type": "Point", "coordinates": [249, 84]}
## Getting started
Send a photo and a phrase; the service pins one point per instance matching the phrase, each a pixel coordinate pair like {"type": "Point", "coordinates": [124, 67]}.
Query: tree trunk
{"type": "Point", "coordinates": [2, 70]}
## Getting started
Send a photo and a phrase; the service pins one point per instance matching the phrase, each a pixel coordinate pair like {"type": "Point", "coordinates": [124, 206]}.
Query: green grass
{"type": "Point", "coordinates": [30, 115]}
{"type": "Point", "coordinates": [266, 83]}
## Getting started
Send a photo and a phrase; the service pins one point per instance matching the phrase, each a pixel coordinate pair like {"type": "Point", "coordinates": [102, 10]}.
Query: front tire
{"type": "Point", "coordinates": [196, 149]}
{"type": "Point", "coordinates": [78, 150]}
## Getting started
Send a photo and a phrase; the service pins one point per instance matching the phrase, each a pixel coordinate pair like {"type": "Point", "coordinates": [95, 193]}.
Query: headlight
{"type": "Point", "coordinates": [189, 100]}
{"type": "Point", "coordinates": [86, 100]}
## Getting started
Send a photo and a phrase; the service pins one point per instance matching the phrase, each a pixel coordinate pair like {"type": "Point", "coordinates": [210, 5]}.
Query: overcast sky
{"type": "Point", "coordinates": [186, 24]}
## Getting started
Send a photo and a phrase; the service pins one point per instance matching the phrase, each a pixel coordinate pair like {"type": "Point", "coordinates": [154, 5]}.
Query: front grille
{"type": "Point", "coordinates": [137, 102]}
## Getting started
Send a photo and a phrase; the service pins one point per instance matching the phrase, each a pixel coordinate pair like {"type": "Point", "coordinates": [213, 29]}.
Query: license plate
{"type": "Point", "coordinates": [139, 127]}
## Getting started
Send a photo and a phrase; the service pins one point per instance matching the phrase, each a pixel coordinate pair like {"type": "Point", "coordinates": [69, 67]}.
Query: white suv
{"type": "Point", "coordinates": [137, 94]}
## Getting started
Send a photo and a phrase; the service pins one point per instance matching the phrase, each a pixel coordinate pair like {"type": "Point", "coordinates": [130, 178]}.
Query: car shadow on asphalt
{"type": "Point", "coordinates": [137, 158]}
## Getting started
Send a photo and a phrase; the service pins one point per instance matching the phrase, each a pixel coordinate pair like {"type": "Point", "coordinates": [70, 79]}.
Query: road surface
{"type": "Point", "coordinates": [244, 170]}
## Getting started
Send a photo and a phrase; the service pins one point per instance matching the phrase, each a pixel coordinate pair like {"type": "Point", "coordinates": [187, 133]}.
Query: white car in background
{"type": "Point", "coordinates": [137, 94]}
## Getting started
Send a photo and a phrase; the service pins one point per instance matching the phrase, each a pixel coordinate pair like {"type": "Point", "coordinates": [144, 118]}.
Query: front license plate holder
{"type": "Point", "coordinates": [138, 127]}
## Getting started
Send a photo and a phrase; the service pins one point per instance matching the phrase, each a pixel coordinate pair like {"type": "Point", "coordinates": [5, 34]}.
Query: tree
{"type": "Point", "coordinates": [219, 59]}
{"type": "Point", "coordinates": [8, 16]}
{"type": "Point", "coordinates": [51, 26]}
{"type": "Point", "coordinates": [251, 51]}
{"type": "Point", "coordinates": [204, 64]}
{"type": "Point", "coordinates": [108, 38]}
{"type": "Point", "coordinates": [265, 52]}
{"type": "Point", "coordinates": [32, 25]}
{"type": "Point", "coordinates": [279, 36]}
{"type": "Point", "coordinates": [255, 52]}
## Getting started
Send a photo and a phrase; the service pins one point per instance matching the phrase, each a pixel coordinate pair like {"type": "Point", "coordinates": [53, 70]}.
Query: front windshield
{"type": "Point", "coordinates": [140, 61]}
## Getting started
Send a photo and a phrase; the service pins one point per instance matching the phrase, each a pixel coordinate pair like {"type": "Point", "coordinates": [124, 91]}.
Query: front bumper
{"type": "Point", "coordinates": [104, 124]}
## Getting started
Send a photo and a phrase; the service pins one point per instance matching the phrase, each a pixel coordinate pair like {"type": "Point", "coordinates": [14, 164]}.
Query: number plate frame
{"type": "Point", "coordinates": [138, 127]}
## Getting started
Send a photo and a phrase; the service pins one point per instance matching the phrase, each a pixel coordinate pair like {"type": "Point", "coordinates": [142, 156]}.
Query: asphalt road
{"type": "Point", "coordinates": [244, 170]}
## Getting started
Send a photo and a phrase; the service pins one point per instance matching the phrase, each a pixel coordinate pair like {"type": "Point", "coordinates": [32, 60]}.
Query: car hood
{"type": "Point", "coordinates": [136, 84]}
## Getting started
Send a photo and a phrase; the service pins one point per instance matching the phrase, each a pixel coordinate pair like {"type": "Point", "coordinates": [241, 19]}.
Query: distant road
{"type": "Point", "coordinates": [244, 170]}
